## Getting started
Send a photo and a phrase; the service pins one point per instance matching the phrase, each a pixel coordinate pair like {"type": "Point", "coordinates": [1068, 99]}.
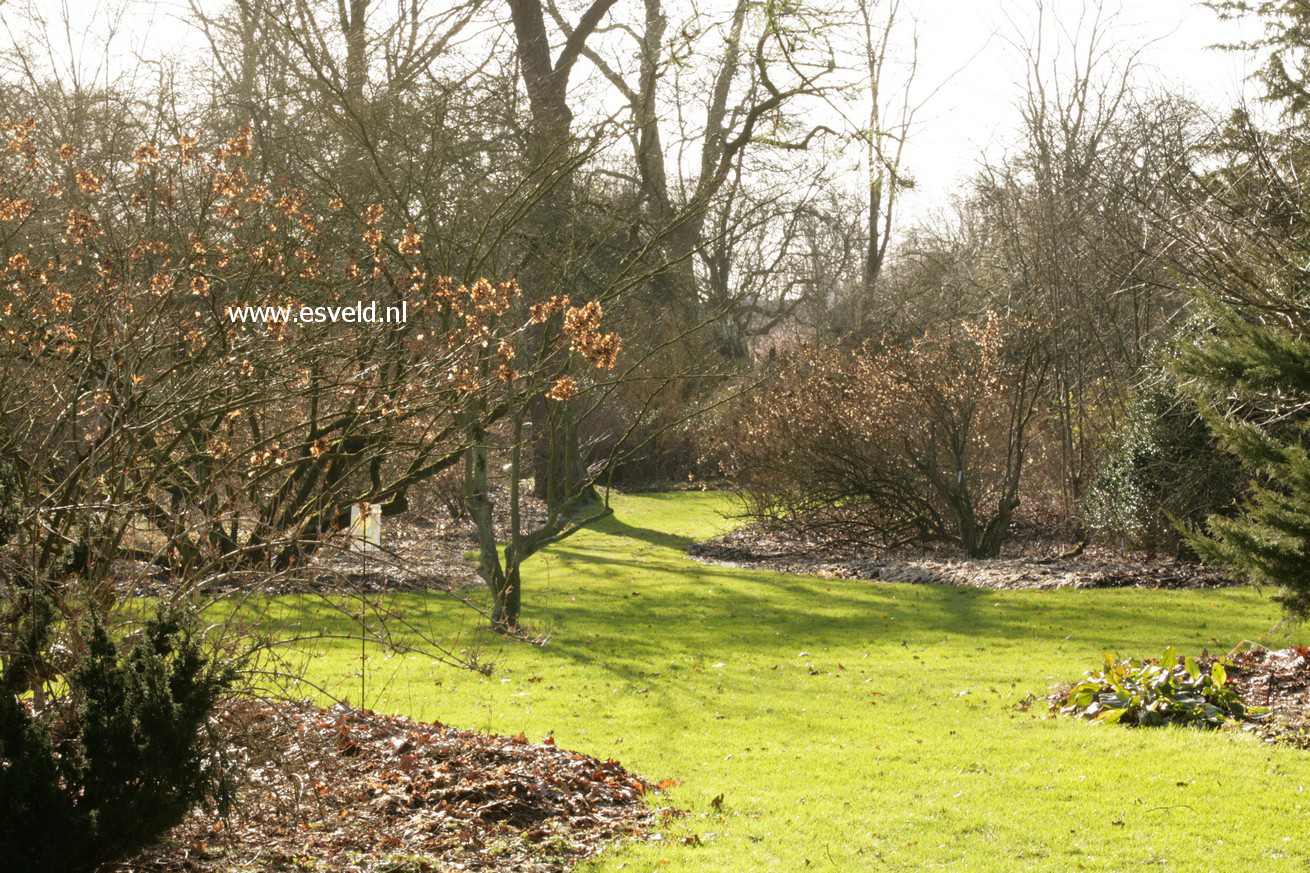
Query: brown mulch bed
{"type": "Point", "coordinates": [1030, 560]}
{"type": "Point", "coordinates": [1280, 681]}
{"type": "Point", "coordinates": [352, 790]}
{"type": "Point", "coordinates": [421, 551]}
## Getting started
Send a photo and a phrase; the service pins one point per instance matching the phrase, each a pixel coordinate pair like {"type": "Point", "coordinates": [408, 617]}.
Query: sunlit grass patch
{"type": "Point", "coordinates": [851, 725]}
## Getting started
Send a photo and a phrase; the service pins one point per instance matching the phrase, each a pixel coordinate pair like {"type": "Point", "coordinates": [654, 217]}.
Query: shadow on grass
{"type": "Point", "coordinates": [694, 607]}
{"type": "Point", "coordinates": [643, 605]}
{"type": "Point", "coordinates": [612, 525]}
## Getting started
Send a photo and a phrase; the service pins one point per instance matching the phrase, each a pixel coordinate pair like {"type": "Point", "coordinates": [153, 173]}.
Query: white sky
{"type": "Point", "coordinates": [966, 60]}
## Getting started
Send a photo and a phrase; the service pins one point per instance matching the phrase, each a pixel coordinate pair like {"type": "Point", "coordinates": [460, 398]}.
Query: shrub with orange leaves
{"type": "Point", "coordinates": [225, 442]}
{"type": "Point", "coordinates": [146, 414]}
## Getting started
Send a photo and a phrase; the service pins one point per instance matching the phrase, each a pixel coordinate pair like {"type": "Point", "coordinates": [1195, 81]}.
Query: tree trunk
{"type": "Point", "coordinates": [508, 603]}
{"type": "Point", "coordinates": [352, 28]}
{"type": "Point", "coordinates": [554, 451]}
{"type": "Point", "coordinates": [502, 580]}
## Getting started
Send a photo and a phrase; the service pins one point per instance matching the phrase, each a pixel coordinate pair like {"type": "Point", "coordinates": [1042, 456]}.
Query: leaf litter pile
{"type": "Point", "coordinates": [421, 551]}
{"type": "Point", "coordinates": [345, 789]}
{"type": "Point", "coordinates": [1279, 681]}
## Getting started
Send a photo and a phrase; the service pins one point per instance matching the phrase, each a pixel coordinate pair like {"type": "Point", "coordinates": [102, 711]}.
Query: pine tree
{"type": "Point", "coordinates": [1251, 378]}
{"type": "Point", "coordinates": [1282, 45]}
{"type": "Point", "coordinates": [84, 787]}
{"type": "Point", "coordinates": [1250, 266]}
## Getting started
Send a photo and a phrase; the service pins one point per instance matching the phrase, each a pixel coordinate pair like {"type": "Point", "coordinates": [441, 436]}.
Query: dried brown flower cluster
{"type": "Point", "coordinates": [543, 311]}
{"type": "Point", "coordinates": [582, 326]}
{"type": "Point", "coordinates": [565, 388]}
{"type": "Point", "coordinates": [409, 243]}
{"type": "Point", "coordinates": [88, 182]}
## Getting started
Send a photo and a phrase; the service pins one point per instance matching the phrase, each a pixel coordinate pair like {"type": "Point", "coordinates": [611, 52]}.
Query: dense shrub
{"type": "Point", "coordinates": [118, 759]}
{"type": "Point", "coordinates": [1164, 468]}
{"type": "Point", "coordinates": [1172, 690]}
{"type": "Point", "coordinates": [884, 445]}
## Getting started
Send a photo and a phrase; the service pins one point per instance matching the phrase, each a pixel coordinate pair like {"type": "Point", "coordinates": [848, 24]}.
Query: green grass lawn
{"type": "Point", "coordinates": [856, 725]}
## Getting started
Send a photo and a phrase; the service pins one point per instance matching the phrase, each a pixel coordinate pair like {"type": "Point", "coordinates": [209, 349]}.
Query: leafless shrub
{"type": "Point", "coordinates": [884, 446]}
